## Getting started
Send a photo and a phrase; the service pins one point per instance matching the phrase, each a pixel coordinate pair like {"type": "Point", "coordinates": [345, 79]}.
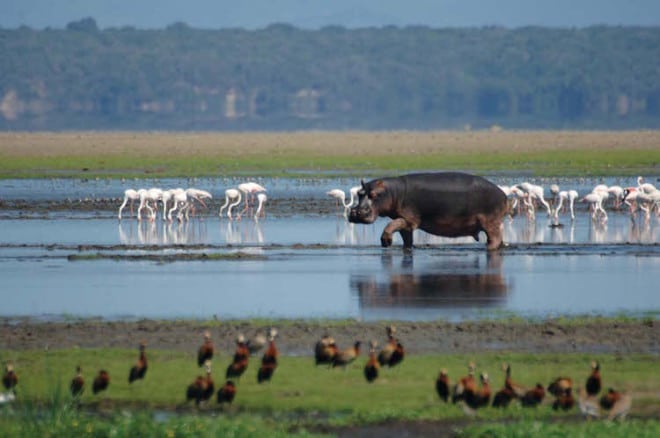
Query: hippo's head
{"type": "Point", "coordinates": [373, 201]}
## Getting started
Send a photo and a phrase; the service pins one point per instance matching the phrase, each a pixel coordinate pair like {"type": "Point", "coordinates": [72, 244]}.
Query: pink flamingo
{"type": "Point", "coordinates": [249, 189]}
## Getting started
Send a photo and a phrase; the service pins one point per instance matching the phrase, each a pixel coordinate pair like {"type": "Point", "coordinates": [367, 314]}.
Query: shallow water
{"type": "Point", "coordinates": [315, 266]}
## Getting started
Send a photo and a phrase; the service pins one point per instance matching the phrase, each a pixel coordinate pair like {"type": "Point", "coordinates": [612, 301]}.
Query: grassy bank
{"type": "Point", "coordinates": [119, 155]}
{"type": "Point", "coordinates": [302, 395]}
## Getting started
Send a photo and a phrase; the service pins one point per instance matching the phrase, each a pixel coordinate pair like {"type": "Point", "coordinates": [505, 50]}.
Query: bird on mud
{"type": "Point", "coordinates": [509, 392]}
{"type": "Point", "coordinates": [101, 382]}
{"type": "Point", "coordinates": [616, 403]}
{"type": "Point", "coordinates": [240, 362]}
{"type": "Point", "coordinates": [202, 388]}
{"type": "Point", "coordinates": [533, 397]}
{"type": "Point", "coordinates": [226, 393]}
{"type": "Point", "coordinates": [442, 385]}
{"type": "Point", "coordinates": [560, 386]}
{"type": "Point", "coordinates": [269, 359]}
{"type": "Point", "coordinates": [392, 353]}
{"type": "Point", "coordinates": [206, 350]}
{"type": "Point", "coordinates": [465, 383]}
{"type": "Point", "coordinates": [77, 386]}
{"type": "Point", "coordinates": [477, 398]}
{"type": "Point", "coordinates": [139, 370]}
{"type": "Point", "coordinates": [256, 343]}
{"type": "Point", "coordinates": [593, 384]}
{"type": "Point", "coordinates": [564, 401]}
{"type": "Point", "coordinates": [347, 356]}
{"type": "Point", "coordinates": [10, 379]}
{"type": "Point", "coordinates": [372, 366]}
{"type": "Point", "coordinates": [325, 350]}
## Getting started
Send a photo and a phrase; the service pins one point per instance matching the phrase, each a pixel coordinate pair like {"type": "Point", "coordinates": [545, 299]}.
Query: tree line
{"type": "Point", "coordinates": [283, 78]}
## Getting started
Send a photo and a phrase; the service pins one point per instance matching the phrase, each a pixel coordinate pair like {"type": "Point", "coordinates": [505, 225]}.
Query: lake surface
{"type": "Point", "coordinates": [312, 265]}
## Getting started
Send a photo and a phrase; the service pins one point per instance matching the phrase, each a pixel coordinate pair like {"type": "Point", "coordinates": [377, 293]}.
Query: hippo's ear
{"type": "Point", "coordinates": [377, 188]}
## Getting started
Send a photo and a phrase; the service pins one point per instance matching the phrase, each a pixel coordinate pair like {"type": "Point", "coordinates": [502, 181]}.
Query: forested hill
{"type": "Point", "coordinates": [282, 78]}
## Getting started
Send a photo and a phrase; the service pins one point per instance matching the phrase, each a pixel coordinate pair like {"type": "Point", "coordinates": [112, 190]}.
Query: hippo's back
{"type": "Point", "coordinates": [452, 193]}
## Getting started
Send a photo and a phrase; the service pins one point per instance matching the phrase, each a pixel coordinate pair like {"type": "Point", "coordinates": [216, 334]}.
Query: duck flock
{"type": "Point", "coordinates": [592, 400]}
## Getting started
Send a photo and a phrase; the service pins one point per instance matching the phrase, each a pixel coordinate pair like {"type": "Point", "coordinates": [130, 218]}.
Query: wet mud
{"type": "Point", "coordinates": [298, 337]}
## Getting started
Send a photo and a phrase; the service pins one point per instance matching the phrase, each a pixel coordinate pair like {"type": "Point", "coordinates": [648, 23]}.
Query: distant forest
{"type": "Point", "coordinates": [285, 78]}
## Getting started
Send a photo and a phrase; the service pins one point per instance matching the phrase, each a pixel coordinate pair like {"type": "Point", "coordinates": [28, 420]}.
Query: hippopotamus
{"type": "Point", "coordinates": [450, 204]}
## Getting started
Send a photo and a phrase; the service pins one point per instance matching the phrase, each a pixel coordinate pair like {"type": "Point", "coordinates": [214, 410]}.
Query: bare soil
{"type": "Point", "coordinates": [298, 337]}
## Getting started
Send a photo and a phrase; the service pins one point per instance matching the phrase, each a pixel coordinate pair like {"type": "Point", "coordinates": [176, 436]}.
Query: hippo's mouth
{"type": "Point", "coordinates": [362, 215]}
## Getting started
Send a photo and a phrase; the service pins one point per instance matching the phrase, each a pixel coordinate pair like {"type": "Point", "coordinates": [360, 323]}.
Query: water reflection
{"type": "Point", "coordinates": [470, 281]}
{"type": "Point", "coordinates": [242, 232]}
{"type": "Point", "coordinates": [170, 233]}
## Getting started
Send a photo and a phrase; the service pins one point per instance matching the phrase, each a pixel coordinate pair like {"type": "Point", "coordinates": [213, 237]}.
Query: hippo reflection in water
{"type": "Point", "coordinates": [450, 204]}
{"type": "Point", "coordinates": [455, 283]}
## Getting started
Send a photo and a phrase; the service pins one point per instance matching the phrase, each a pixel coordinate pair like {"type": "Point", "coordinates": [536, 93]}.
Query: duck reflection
{"type": "Point", "coordinates": [471, 281]}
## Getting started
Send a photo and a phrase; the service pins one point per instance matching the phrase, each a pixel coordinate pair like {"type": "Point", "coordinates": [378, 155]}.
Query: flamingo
{"type": "Point", "coordinates": [198, 195]}
{"type": "Point", "coordinates": [563, 195]}
{"type": "Point", "coordinates": [261, 197]}
{"type": "Point", "coordinates": [647, 188]}
{"type": "Point", "coordinates": [154, 194]}
{"type": "Point", "coordinates": [572, 196]}
{"type": "Point", "coordinates": [165, 198]}
{"type": "Point", "coordinates": [554, 190]}
{"type": "Point", "coordinates": [229, 194]}
{"type": "Point", "coordinates": [617, 192]}
{"type": "Point", "coordinates": [129, 195]}
{"type": "Point", "coordinates": [179, 199]}
{"type": "Point", "coordinates": [535, 192]}
{"type": "Point", "coordinates": [630, 198]}
{"type": "Point", "coordinates": [232, 205]}
{"type": "Point", "coordinates": [249, 189]}
{"type": "Point", "coordinates": [340, 195]}
{"type": "Point", "coordinates": [595, 201]}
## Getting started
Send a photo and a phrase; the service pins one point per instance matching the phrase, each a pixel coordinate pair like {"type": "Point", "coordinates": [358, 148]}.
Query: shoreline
{"type": "Point", "coordinates": [297, 338]}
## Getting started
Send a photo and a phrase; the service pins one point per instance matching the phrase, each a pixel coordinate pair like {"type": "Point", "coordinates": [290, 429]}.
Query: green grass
{"type": "Point", "coordinates": [298, 386]}
{"type": "Point", "coordinates": [542, 163]}
{"type": "Point", "coordinates": [530, 428]}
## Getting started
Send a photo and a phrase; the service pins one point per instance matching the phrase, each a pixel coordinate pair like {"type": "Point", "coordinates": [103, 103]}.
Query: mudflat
{"type": "Point", "coordinates": [297, 338]}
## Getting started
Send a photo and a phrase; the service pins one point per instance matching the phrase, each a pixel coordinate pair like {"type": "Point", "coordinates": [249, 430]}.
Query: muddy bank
{"type": "Point", "coordinates": [109, 207]}
{"type": "Point", "coordinates": [298, 338]}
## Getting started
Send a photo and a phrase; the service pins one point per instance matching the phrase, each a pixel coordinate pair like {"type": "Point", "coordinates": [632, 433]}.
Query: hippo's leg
{"type": "Point", "coordinates": [407, 236]}
{"type": "Point", "coordinates": [400, 225]}
{"type": "Point", "coordinates": [494, 230]}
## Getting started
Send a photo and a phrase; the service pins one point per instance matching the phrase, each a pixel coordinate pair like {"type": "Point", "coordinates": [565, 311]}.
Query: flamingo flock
{"type": "Point", "coordinates": [180, 199]}
{"type": "Point", "coordinates": [184, 202]}
{"type": "Point", "coordinates": [525, 198]}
